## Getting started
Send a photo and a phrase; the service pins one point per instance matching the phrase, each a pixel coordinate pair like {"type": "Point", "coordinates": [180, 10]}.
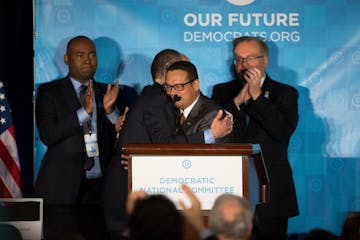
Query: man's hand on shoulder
{"type": "Point", "coordinates": [221, 126]}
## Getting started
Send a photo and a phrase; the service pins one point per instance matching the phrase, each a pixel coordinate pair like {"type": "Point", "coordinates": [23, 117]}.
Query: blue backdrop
{"type": "Point", "coordinates": [314, 46]}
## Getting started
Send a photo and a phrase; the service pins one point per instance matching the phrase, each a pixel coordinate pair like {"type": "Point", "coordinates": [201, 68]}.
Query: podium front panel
{"type": "Point", "coordinates": [207, 176]}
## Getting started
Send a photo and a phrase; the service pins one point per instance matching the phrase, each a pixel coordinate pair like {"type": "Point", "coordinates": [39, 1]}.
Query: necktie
{"type": "Point", "coordinates": [82, 93]}
{"type": "Point", "coordinates": [89, 161]}
{"type": "Point", "coordinates": [181, 119]}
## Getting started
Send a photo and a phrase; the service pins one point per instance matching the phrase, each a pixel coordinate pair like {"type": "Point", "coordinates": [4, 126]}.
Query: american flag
{"type": "Point", "coordinates": [10, 177]}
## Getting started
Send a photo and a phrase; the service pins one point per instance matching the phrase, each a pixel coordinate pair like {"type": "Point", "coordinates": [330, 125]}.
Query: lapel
{"type": "Point", "coordinates": [189, 121]}
{"type": "Point", "coordinates": [99, 94]}
{"type": "Point", "coordinates": [267, 87]}
{"type": "Point", "coordinates": [69, 94]}
{"type": "Point", "coordinates": [235, 87]}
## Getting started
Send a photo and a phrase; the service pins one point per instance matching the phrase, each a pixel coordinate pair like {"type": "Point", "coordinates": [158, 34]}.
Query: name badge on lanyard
{"type": "Point", "coordinates": [91, 145]}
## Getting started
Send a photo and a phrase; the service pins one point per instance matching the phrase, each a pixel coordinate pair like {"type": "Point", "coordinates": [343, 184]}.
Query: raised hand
{"type": "Point", "coordinates": [253, 79]}
{"type": "Point", "coordinates": [120, 120]}
{"type": "Point", "coordinates": [132, 198]}
{"type": "Point", "coordinates": [88, 100]}
{"type": "Point", "coordinates": [242, 96]}
{"type": "Point", "coordinates": [110, 96]}
{"type": "Point", "coordinates": [193, 213]}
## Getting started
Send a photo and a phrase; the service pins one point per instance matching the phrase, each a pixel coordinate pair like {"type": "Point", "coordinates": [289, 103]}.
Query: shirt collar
{"type": "Point", "coordinates": [77, 84]}
{"type": "Point", "coordinates": [262, 80]}
{"type": "Point", "coordinates": [187, 110]}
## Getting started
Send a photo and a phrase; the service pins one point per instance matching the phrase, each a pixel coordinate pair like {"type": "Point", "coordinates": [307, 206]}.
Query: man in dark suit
{"type": "Point", "coordinates": [75, 116]}
{"type": "Point", "coordinates": [182, 85]}
{"type": "Point", "coordinates": [151, 120]}
{"type": "Point", "coordinates": [265, 112]}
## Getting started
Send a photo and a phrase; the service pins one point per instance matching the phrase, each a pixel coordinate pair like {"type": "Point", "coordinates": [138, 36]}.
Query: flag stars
{"type": "Point", "coordinates": [2, 96]}
{"type": "Point", "coordinates": [2, 108]}
{"type": "Point", "coordinates": [2, 120]}
{"type": "Point", "coordinates": [1, 85]}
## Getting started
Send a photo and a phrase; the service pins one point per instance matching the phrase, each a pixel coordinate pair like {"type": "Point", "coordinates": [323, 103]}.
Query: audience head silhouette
{"type": "Point", "coordinates": [351, 227]}
{"type": "Point", "coordinates": [155, 217]}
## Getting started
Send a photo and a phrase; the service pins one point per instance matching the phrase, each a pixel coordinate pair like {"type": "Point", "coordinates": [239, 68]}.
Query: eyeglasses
{"type": "Point", "coordinates": [240, 60]}
{"type": "Point", "coordinates": [176, 87]}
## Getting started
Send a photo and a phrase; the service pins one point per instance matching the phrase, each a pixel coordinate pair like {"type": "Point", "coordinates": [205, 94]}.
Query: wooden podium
{"type": "Point", "coordinates": [253, 175]}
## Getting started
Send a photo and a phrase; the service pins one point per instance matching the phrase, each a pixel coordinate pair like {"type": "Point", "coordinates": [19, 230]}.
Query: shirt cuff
{"type": "Point", "coordinates": [83, 116]}
{"type": "Point", "coordinates": [112, 117]}
{"type": "Point", "coordinates": [208, 137]}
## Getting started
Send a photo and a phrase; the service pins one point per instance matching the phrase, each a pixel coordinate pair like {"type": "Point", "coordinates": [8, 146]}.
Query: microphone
{"type": "Point", "coordinates": [177, 98]}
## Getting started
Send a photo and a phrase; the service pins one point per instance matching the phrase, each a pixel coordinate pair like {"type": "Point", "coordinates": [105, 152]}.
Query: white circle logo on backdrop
{"type": "Point", "coordinates": [240, 2]}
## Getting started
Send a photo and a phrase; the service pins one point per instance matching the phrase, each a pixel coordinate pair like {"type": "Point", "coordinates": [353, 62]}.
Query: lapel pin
{"type": "Point", "coordinates": [267, 93]}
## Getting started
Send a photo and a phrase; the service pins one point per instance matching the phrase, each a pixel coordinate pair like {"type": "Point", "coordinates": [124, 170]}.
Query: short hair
{"type": "Point", "coordinates": [351, 226]}
{"type": "Point", "coordinates": [155, 217]}
{"type": "Point", "coordinates": [318, 233]}
{"type": "Point", "coordinates": [74, 39]}
{"type": "Point", "coordinates": [263, 47]}
{"type": "Point", "coordinates": [240, 226]}
{"type": "Point", "coordinates": [162, 60]}
{"type": "Point", "coordinates": [186, 66]}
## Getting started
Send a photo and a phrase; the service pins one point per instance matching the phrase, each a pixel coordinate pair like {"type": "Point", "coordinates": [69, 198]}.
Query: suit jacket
{"type": "Point", "coordinates": [273, 118]}
{"type": "Point", "coordinates": [200, 116]}
{"type": "Point", "coordinates": [61, 171]}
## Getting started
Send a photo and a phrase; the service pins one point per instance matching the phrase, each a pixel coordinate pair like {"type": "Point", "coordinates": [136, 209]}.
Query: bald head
{"type": "Point", "coordinates": [231, 217]}
{"type": "Point", "coordinates": [81, 58]}
{"type": "Point", "coordinates": [162, 61]}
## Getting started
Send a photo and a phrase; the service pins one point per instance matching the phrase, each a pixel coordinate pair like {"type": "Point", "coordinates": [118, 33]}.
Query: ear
{"type": "Point", "coordinates": [66, 59]}
{"type": "Point", "coordinates": [266, 61]}
{"type": "Point", "coordinates": [196, 85]}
